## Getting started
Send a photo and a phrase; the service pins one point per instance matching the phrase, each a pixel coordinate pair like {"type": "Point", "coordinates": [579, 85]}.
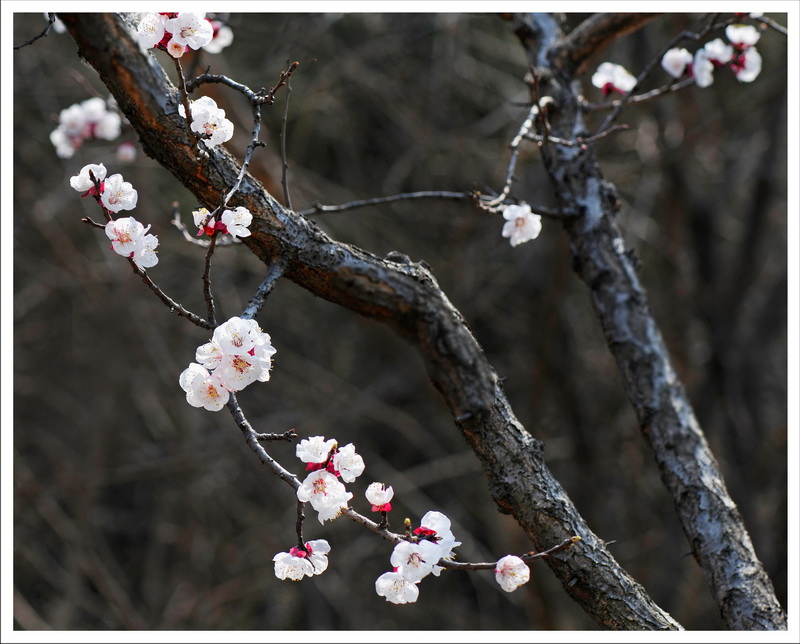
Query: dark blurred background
{"type": "Point", "coordinates": [134, 510]}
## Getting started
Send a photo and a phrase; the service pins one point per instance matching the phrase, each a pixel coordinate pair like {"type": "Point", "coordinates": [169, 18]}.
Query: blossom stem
{"type": "Point", "coordinates": [317, 207]}
{"type": "Point", "coordinates": [512, 164]}
{"type": "Point", "coordinates": [299, 525]}
{"type": "Point", "coordinates": [207, 294]}
{"type": "Point", "coordinates": [184, 99]}
{"type": "Point", "coordinates": [463, 565]}
{"type": "Point", "coordinates": [265, 288]}
{"type": "Point", "coordinates": [251, 438]}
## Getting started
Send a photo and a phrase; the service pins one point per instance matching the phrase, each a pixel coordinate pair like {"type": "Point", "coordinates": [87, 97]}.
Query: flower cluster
{"type": "Point", "coordinates": [327, 462]}
{"type": "Point", "coordinates": [84, 121]}
{"type": "Point", "coordinates": [739, 54]}
{"type": "Point", "coordinates": [129, 237]}
{"type": "Point", "coordinates": [208, 121]}
{"type": "Point", "coordinates": [234, 222]}
{"type": "Point", "coordinates": [613, 78]}
{"type": "Point", "coordinates": [238, 354]}
{"type": "Point", "coordinates": [306, 561]}
{"type": "Point", "coordinates": [412, 561]}
{"type": "Point", "coordinates": [521, 224]}
{"type": "Point", "coordinates": [175, 32]}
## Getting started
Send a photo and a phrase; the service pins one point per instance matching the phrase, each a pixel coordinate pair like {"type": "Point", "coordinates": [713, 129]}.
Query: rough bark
{"type": "Point", "coordinates": [710, 518]}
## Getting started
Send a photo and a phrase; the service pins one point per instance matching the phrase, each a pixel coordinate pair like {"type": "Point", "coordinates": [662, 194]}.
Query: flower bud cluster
{"type": "Point", "coordinates": [238, 354]}
{"type": "Point", "coordinates": [306, 561]}
{"type": "Point", "coordinates": [91, 119]}
{"type": "Point", "coordinates": [740, 56]}
{"type": "Point", "coordinates": [174, 32]}
{"type": "Point", "coordinates": [208, 121]}
{"type": "Point", "coordinates": [414, 560]}
{"type": "Point", "coordinates": [129, 237]}
{"type": "Point", "coordinates": [233, 222]}
{"type": "Point", "coordinates": [610, 77]}
{"type": "Point", "coordinates": [327, 462]}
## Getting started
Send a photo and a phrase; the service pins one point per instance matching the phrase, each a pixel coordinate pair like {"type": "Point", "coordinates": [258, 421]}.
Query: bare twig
{"type": "Point", "coordinates": [530, 556]}
{"type": "Point", "coordinates": [265, 288]}
{"type": "Point", "coordinates": [288, 436]}
{"type": "Point", "coordinates": [317, 207]}
{"type": "Point", "coordinates": [251, 437]}
{"type": "Point", "coordinates": [284, 162]}
{"type": "Point", "coordinates": [512, 164]}
{"type": "Point", "coordinates": [207, 294]}
{"type": "Point", "coordinates": [579, 141]}
{"type": "Point", "coordinates": [185, 100]}
{"type": "Point", "coordinates": [51, 18]}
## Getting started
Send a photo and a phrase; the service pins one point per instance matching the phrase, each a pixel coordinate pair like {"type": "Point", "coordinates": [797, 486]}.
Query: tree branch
{"type": "Point", "coordinates": [595, 33]}
{"type": "Point", "coordinates": [709, 516]}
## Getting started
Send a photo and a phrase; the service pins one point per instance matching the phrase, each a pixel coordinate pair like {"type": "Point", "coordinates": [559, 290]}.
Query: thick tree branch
{"type": "Point", "coordinates": [403, 295]}
{"type": "Point", "coordinates": [709, 516]}
{"type": "Point", "coordinates": [595, 33]}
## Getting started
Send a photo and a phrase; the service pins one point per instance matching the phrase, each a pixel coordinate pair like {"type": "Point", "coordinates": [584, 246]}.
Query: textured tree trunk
{"type": "Point", "coordinates": [407, 298]}
{"type": "Point", "coordinates": [709, 516]}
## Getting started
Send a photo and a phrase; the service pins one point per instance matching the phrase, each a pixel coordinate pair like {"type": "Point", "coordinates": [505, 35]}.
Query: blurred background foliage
{"type": "Point", "coordinates": [134, 510]}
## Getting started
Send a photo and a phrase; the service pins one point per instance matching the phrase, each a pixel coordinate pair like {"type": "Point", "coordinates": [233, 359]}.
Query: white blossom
{"type": "Point", "coordinates": [613, 78]}
{"type": "Point", "coordinates": [511, 572]}
{"type": "Point", "coordinates": [314, 449]}
{"type": "Point", "coordinates": [190, 29]}
{"type": "Point", "coordinates": [742, 35]}
{"type": "Point", "coordinates": [82, 182]}
{"type": "Point", "coordinates": [326, 494]}
{"type": "Point", "coordinates": [748, 65]}
{"type": "Point", "coordinates": [396, 588]}
{"type": "Point", "coordinates": [415, 560]}
{"type": "Point", "coordinates": [521, 225]}
{"type": "Point", "coordinates": [675, 61]}
{"type": "Point", "coordinates": [203, 389]}
{"type": "Point", "coordinates": [150, 29]}
{"type": "Point", "coordinates": [718, 51]}
{"type": "Point", "coordinates": [236, 221]}
{"type": "Point", "coordinates": [289, 566]}
{"type": "Point", "coordinates": [440, 524]}
{"type": "Point", "coordinates": [702, 69]}
{"type": "Point", "coordinates": [378, 494]}
{"type": "Point", "coordinates": [223, 37]}
{"type": "Point", "coordinates": [348, 463]}
{"type": "Point", "coordinates": [118, 194]}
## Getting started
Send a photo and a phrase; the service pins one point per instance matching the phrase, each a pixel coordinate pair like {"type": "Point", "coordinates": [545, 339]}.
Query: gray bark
{"type": "Point", "coordinates": [712, 523]}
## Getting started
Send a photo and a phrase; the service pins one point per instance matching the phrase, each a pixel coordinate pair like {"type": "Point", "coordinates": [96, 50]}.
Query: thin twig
{"type": "Point", "coordinates": [285, 163]}
{"type": "Point", "coordinates": [185, 100]}
{"type": "Point", "coordinates": [578, 141]}
{"type": "Point", "coordinates": [530, 556]}
{"type": "Point", "coordinates": [317, 207]}
{"type": "Point", "coordinates": [207, 294]}
{"type": "Point", "coordinates": [769, 22]}
{"type": "Point", "coordinates": [265, 288]}
{"type": "Point", "coordinates": [298, 526]}
{"type": "Point", "coordinates": [51, 18]}
{"type": "Point", "coordinates": [512, 164]}
{"type": "Point", "coordinates": [254, 143]}
{"type": "Point", "coordinates": [171, 304]}
{"type": "Point", "coordinates": [251, 438]}
{"type": "Point", "coordinates": [288, 436]}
